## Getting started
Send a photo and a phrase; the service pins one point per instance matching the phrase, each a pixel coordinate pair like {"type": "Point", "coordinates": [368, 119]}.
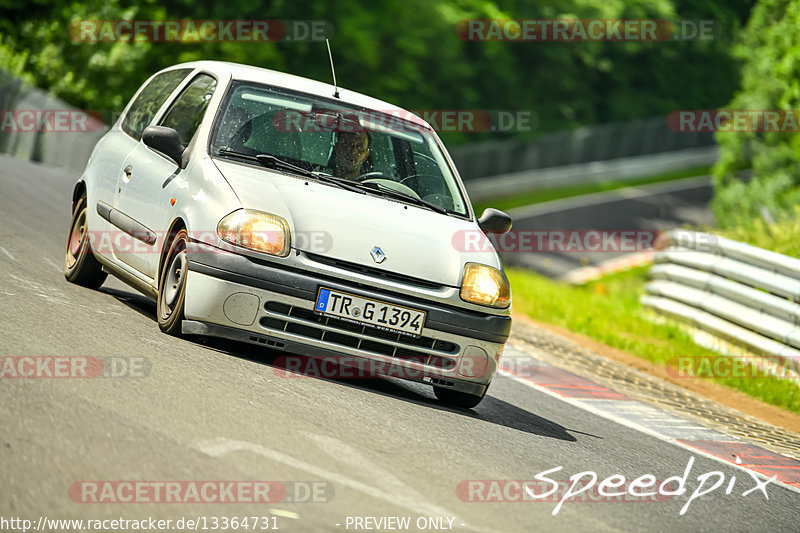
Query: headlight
{"type": "Point", "coordinates": [257, 231]}
{"type": "Point", "coordinates": [485, 285]}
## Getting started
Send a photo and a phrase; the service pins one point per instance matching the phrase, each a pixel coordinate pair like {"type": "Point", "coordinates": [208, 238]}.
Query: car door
{"type": "Point", "coordinates": [149, 177]}
{"type": "Point", "coordinates": [120, 142]}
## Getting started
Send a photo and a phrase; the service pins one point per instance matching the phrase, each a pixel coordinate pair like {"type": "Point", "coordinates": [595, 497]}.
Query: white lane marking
{"type": "Point", "coordinates": [633, 425]}
{"type": "Point", "coordinates": [150, 341]}
{"type": "Point", "coordinates": [354, 458]}
{"type": "Point", "coordinates": [32, 285]}
{"type": "Point", "coordinates": [349, 455]}
{"type": "Point", "coordinates": [52, 263]}
{"type": "Point", "coordinates": [284, 514]}
{"type": "Point", "coordinates": [61, 301]}
{"type": "Point", "coordinates": [7, 253]}
{"type": "Point", "coordinates": [48, 293]}
{"type": "Point", "coordinates": [222, 446]}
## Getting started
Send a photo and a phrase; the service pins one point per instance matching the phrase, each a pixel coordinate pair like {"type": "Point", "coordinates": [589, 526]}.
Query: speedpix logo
{"type": "Point", "coordinates": [588, 486]}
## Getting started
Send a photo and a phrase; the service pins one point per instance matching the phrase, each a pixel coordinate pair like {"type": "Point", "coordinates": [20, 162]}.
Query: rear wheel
{"type": "Point", "coordinates": [457, 398]}
{"type": "Point", "coordinates": [172, 285]}
{"type": "Point", "coordinates": [80, 265]}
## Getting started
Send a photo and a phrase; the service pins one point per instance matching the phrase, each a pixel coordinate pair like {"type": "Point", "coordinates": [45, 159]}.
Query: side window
{"type": "Point", "coordinates": [186, 112]}
{"type": "Point", "coordinates": [150, 100]}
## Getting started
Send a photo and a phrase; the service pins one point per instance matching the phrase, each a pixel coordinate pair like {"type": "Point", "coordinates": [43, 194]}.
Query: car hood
{"type": "Point", "coordinates": [340, 224]}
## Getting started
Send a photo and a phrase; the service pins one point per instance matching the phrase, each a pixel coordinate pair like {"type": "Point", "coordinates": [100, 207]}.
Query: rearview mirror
{"type": "Point", "coordinates": [164, 140]}
{"type": "Point", "coordinates": [339, 122]}
{"type": "Point", "coordinates": [494, 221]}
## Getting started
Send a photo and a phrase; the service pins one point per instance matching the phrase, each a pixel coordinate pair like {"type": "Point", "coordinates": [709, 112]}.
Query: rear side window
{"type": "Point", "coordinates": [149, 101]}
{"type": "Point", "coordinates": [186, 112]}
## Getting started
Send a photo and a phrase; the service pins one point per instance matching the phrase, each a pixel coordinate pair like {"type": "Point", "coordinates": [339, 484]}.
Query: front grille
{"type": "Point", "coordinates": [306, 323]}
{"type": "Point", "coordinates": [375, 272]}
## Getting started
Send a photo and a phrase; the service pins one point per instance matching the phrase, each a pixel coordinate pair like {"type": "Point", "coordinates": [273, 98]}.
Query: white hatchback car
{"type": "Point", "coordinates": [272, 209]}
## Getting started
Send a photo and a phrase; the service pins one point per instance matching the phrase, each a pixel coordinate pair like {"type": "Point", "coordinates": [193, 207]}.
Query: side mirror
{"type": "Point", "coordinates": [164, 140]}
{"type": "Point", "coordinates": [494, 221]}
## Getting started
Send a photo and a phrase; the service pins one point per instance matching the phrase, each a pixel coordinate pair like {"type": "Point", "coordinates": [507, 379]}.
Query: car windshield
{"type": "Point", "coordinates": [382, 150]}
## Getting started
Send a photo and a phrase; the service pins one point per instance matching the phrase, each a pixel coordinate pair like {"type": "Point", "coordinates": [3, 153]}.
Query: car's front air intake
{"type": "Point", "coordinates": [304, 322]}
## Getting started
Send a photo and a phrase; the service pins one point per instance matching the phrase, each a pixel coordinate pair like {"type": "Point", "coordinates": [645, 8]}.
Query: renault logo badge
{"type": "Point", "coordinates": [377, 255]}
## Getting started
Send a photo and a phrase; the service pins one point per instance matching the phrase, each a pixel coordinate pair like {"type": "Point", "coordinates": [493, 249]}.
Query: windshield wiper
{"type": "Point", "coordinates": [387, 191]}
{"type": "Point", "coordinates": [228, 151]}
{"type": "Point", "coordinates": [270, 161]}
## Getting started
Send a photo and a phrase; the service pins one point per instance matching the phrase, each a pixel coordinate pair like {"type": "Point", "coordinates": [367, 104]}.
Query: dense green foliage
{"type": "Point", "coordinates": [403, 51]}
{"type": "Point", "coordinates": [770, 46]}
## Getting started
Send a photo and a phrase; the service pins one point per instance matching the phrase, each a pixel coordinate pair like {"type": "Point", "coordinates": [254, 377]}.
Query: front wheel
{"type": "Point", "coordinates": [457, 398]}
{"type": "Point", "coordinates": [172, 285]}
{"type": "Point", "coordinates": [80, 265]}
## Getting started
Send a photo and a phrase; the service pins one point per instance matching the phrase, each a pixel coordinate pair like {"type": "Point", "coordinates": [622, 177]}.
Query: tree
{"type": "Point", "coordinates": [770, 50]}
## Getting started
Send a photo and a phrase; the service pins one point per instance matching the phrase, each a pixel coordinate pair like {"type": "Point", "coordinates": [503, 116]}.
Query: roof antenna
{"type": "Point", "coordinates": [335, 88]}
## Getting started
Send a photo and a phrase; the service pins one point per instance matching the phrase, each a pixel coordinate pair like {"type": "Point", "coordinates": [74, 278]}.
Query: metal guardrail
{"type": "Point", "coordinates": [611, 170]}
{"type": "Point", "coordinates": [735, 291]}
{"type": "Point", "coordinates": [69, 150]}
{"type": "Point", "coordinates": [587, 144]}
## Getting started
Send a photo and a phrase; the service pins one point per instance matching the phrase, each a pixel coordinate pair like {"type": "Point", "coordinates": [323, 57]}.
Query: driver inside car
{"type": "Point", "coordinates": [349, 153]}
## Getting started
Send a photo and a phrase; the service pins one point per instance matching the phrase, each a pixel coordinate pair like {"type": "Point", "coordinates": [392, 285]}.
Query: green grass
{"type": "Point", "coordinates": [535, 197]}
{"type": "Point", "coordinates": [608, 310]}
{"type": "Point", "coordinates": [782, 236]}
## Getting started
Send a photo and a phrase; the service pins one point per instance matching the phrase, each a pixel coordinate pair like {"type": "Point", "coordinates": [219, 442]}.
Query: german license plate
{"type": "Point", "coordinates": [381, 315]}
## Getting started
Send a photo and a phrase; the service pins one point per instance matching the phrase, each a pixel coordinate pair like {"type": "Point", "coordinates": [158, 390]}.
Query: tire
{"type": "Point", "coordinates": [80, 265]}
{"type": "Point", "coordinates": [172, 285]}
{"type": "Point", "coordinates": [458, 399]}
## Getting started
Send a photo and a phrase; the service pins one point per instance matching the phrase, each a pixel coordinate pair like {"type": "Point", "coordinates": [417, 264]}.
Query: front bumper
{"type": "Point", "coordinates": [231, 296]}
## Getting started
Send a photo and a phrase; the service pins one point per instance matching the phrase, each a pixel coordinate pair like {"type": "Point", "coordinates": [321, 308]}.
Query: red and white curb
{"type": "Point", "coordinates": [662, 424]}
{"type": "Point", "coordinates": [579, 276]}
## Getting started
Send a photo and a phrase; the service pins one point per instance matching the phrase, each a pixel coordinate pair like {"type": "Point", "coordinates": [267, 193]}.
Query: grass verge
{"type": "Point", "coordinates": [536, 197]}
{"type": "Point", "coordinates": [780, 236]}
{"type": "Point", "coordinates": [608, 310]}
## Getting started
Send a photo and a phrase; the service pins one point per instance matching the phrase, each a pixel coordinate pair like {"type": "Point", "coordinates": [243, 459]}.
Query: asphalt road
{"type": "Point", "coordinates": [220, 411]}
{"type": "Point", "coordinates": [651, 208]}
